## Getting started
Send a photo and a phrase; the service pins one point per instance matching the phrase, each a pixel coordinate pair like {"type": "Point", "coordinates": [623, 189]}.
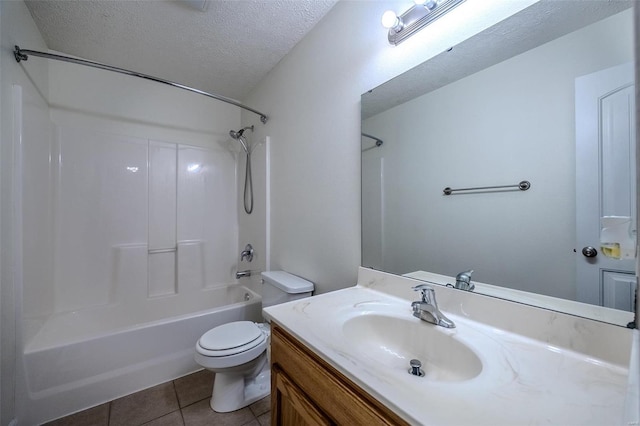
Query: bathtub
{"type": "Point", "coordinates": [81, 359]}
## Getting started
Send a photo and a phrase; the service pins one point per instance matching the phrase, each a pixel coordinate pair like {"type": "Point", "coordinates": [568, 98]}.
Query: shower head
{"type": "Point", "coordinates": [237, 134]}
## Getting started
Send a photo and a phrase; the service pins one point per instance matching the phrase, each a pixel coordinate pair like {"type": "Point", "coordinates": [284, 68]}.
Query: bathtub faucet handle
{"type": "Point", "coordinates": [247, 253]}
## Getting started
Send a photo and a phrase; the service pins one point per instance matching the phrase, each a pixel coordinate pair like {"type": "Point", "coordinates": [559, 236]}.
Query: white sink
{"type": "Point", "coordinates": [501, 376]}
{"type": "Point", "coordinates": [394, 341]}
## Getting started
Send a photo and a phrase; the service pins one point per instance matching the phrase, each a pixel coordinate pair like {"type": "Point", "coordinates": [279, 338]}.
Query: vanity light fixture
{"type": "Point", "coordinates": [413, 20]}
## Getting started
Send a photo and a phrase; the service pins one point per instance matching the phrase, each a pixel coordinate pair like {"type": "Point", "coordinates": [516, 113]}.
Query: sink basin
{"type": "Point", "coordinates": [394, 341]}
{"type": "Point", "coordinates": [534, 367]}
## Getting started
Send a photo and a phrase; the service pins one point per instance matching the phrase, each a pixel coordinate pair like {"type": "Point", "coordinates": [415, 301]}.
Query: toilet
{"type": "Point", "coordinates": [237, 351]}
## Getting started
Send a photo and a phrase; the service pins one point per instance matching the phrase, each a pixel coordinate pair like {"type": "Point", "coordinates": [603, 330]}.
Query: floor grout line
{"type": "Point", "coordinates": [182, 417]}
{"type": "Point", "coordinates": [175, 393]}
{"type": "Point", "coordinates": [194, 402]}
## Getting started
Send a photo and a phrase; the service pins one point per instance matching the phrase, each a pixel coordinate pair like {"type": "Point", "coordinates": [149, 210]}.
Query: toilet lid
{"type": "Point", "coordinates": [231, 335]}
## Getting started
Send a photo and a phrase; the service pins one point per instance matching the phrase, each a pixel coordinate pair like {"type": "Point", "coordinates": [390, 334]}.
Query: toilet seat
{"type": "Point", "coordinates": [230, 339]}
{"type": "Point", "coordinates": [231, 345]}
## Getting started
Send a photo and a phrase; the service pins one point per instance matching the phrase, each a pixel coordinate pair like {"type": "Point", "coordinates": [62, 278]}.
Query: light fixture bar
{"type": "Point", "coordinates": [419, 17]}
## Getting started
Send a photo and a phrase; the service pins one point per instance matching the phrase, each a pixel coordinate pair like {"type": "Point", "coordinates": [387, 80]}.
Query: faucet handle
{"type": "Point", "coordinates": [247, 253]}
{"type": "Point", "coordinates": [464, 276]}
{"type": "Point", "coordinates": [463, 280]}
{"type": "Point", "coordinates": [428, 293]}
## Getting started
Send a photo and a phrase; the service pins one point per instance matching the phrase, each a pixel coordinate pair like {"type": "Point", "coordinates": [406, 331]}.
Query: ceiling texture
{"type": "Point", "coordinates": [225, 48]}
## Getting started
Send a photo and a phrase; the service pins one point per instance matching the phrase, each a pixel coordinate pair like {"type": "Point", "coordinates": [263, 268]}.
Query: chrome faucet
{"type": "Point", "coordinates": [427, 308]}
{"type": "Point", "coordinates": [247, 253]}
{"type": "Point", "coordinates": [463, 281]}
{"type": "Point", "coordinates": [241, 274]}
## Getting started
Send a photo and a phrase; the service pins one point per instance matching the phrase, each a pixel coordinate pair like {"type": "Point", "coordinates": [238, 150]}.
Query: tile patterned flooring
{"type": "Point", "coordinates": [181, 402]}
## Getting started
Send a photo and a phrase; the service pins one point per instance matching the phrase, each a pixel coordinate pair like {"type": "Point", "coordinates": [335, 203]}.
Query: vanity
{"type": "Point", "coordinates": [343, 358]}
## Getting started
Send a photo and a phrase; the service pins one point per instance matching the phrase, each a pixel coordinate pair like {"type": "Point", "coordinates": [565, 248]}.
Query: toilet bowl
{"type": "Point", "coordinates": [237, 351]}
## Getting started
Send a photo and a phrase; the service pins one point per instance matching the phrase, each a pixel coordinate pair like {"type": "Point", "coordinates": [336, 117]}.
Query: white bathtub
{"type": "Point", "coordinates": [77, 360]}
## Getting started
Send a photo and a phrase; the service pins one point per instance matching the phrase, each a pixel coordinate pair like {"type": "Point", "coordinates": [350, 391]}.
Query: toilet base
{"type": "Point", "coordinates": [232, 392]}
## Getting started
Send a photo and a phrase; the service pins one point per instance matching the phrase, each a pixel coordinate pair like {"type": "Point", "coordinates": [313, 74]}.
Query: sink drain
{"type": "Point", "coordinates": [415, 368]}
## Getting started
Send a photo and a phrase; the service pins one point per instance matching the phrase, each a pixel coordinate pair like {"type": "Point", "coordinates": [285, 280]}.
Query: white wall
{"type": "Point", "coordinates": [118, 103]}
{"type": "Point", "coordinates": [493, 129]}
{"type": "Point", "coordinates": [17, 27]}
{"type": "Point", "coordinates": [313, 100]}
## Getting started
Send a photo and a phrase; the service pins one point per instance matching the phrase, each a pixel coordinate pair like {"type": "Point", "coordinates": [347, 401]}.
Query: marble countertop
{"type": "Point", "coordinates": [534, 377]}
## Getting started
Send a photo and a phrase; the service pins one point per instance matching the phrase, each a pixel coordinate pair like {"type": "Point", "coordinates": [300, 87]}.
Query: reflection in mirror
{"type": "Point", "coordinates": [547, 97]}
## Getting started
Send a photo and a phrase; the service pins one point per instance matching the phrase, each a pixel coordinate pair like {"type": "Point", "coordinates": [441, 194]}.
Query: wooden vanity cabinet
{"type": "Point", "coordinates": [305, 390]}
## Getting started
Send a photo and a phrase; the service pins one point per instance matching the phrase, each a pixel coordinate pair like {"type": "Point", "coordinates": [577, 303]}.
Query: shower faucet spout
{"type": "Point", "coordinates": [242, 274]}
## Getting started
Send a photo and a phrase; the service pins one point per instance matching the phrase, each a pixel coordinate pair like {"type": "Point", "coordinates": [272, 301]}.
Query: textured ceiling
{"type": "Point", "coordinates": [538, 24]}
{"type": "Point", "coordinates": [227, 48]}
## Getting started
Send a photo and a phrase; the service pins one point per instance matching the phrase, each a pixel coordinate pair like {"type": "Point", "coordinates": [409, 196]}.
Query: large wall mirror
{"type": "Point", "coordinates": [546, 96]}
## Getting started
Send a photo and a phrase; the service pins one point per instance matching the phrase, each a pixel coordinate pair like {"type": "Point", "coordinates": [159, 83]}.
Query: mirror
{"type": "Point", "coordinates": [546, 97]}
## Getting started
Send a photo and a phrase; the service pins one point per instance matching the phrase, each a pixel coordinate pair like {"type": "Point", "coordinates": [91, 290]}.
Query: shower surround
{"type": "Point", "coordinates": [128, 217]}
{"type": "Point", "coordinates": [133, 220]}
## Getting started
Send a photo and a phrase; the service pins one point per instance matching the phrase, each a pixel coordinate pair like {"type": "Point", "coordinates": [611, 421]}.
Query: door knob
{"type": "Point", "coordinates": [589, 251]}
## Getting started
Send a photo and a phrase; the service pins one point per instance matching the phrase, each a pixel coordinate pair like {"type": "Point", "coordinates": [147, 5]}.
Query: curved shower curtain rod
{"type": "Point", "coordinates": [23, 55]}
{"type": "Point", "coordinates": [379, 141]}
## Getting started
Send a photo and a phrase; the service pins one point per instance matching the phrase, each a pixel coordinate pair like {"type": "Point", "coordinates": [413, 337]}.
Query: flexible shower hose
{"type": "Point", "coordinates": [248, 185]}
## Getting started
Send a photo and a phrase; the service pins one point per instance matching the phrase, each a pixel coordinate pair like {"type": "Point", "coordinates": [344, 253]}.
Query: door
{"type": "Point", "coordinates": [605, 183]}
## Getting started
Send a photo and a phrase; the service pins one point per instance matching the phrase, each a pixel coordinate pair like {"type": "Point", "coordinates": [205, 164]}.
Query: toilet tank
{"type": "Point", "coordinates": [280, 286]}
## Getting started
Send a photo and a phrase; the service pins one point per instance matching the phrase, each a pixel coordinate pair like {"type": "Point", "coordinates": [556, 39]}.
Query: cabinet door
{"type": "Point", "coordinates": [311, 392]}
{"type": "Point", "coordinates": [291, 407]}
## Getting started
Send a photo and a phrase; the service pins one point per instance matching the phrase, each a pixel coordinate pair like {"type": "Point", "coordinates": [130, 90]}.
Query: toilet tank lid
{"type": "Point", "coordinates": [287, 282]}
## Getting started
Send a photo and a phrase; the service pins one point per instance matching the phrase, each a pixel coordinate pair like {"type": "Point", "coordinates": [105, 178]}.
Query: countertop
{"type": "Point", "coordinates": [542, 375]}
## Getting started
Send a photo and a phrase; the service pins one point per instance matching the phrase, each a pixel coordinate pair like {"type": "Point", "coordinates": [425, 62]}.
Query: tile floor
{"type": "Point", "coordinates": [181, 402]}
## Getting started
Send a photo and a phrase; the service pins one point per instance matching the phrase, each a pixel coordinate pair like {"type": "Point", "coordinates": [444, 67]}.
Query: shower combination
{"type": "Point", "coordinates": [248, 181]}
{"type": "Point", "coordinates": [145, 268]}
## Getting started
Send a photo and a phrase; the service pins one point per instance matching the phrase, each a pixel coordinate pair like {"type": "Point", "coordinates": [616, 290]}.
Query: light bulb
{"type": "Point", "coordinates": [390, 19]}
{"type": "Point", "coordinates": [419, 2]}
